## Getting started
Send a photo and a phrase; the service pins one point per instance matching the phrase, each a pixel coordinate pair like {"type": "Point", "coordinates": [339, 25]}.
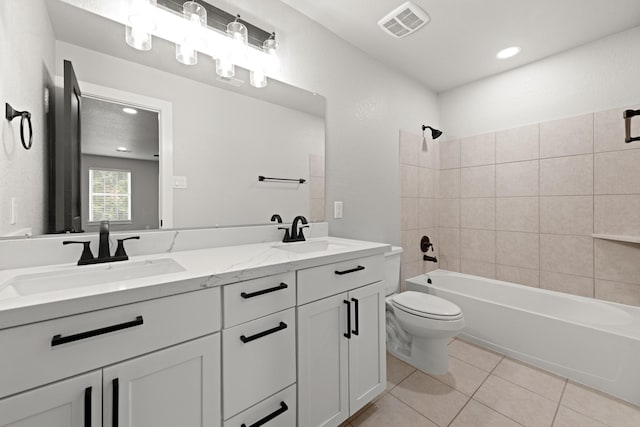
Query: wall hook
{"type": "Point", "coordinates": [11, 113]}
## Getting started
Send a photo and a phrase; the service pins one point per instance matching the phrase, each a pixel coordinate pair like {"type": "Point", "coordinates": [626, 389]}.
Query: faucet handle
{"type": "Point", "coordinates": [120, 252]}
{"type": "Point", "coordinates": [301, 234]}
{"type": "Point", "coordinates": [287, 236]}
{"type": "Point", "coordinates": [87, 255]}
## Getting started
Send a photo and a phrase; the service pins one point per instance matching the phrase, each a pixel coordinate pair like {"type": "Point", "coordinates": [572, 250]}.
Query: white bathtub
{"type": "Point", "coordinates": [593, 342]}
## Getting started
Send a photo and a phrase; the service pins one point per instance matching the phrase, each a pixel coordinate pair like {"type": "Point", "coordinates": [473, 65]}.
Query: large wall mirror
{"type": "Point", "coordinates": [164, 145]}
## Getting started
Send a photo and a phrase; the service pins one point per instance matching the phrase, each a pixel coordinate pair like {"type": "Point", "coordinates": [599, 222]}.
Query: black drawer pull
{"type": "Point", "coordinates": [280, 327]}
{"type": "Point", "coordinates": [348, 334]}
{"type": "Point", "coordinates": [59, 339]}
{"type": "Point", "coordinates": [87, 406]}
{"type": "Point", "coordinates": [356, 303]}
{"type": "Point", "coordinates": [353, 270]}
{"type": "Point", "coordinates": [115, 408]}
{"type": "Point", "coordinates": [264, 291]}
{"type": "Point", "coordinates": [263, 421]}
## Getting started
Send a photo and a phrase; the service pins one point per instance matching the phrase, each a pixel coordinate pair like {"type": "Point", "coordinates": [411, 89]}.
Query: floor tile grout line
{"type": "Point", "coordinates": [527, 389]}
{"type": "Point", "coordinates": [555, 414]}
{"type": "Point", "coordinates": [413, 409]}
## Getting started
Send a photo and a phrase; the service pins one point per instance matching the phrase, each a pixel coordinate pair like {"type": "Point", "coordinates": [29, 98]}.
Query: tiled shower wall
{"type": "Point", "coordinates": [522, 204]}
{"type": "Point", "coordinates": [419, 173]}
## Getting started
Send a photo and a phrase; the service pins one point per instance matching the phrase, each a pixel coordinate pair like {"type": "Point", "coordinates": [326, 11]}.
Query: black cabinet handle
{"type": "Point", "coordinates": [115, 405]}
{"type": "Point", "coordinates": [280, 327]}
{"type": "Point", "coordinates": [263, 421]}
{"type": "Point", "coordinates": [264, 291]}
{"type": "Point", "coordinates": [348, 334]}
{"type": "Point", "coordinates": [59, 339]}
{"type": "Point", "coordinates": [87, 406]}
{"type": "Point", "coordinates": [353, 270]}
{"type": "Point", "coordinates": [356, 331]}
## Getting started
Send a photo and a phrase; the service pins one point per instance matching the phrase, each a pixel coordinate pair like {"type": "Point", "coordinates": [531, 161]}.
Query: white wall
{"type": "Point", "coordinates": [222, 141]}
{"type": "Point", "coordinates": [27, 58]}
{"type": "Point", "coordinates": [597, 76]}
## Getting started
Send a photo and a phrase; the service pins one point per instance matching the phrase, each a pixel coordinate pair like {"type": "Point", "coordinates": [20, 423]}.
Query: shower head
{"type": "Point", "coordinates": [435, 133]}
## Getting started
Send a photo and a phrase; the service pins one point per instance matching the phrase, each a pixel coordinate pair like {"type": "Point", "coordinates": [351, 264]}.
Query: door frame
{"type": "Point", "coordinates": [165, 119]}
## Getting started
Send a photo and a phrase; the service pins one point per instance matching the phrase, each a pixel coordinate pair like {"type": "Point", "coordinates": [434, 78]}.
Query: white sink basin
{"type": "Point", "coordinates": [37, 283]}
{"type": "Point", "coordinates": [308, 247]}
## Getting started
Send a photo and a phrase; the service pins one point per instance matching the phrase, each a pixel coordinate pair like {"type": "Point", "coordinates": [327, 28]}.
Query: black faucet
{"type": "Point", "coordinates": [104, 254]}
{"type": "Point", "coordinates": [296, 235]}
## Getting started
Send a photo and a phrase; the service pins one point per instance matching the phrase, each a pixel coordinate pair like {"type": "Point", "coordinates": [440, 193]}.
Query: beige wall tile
{"type": "Point", "coordinates": [478, 268]}
{"type": "Point", "coordinates": [518, 275]}
{"type": "Point", "coordinates": [449, 263]}
{"type": "Point", "coordinates": [409, 270]}
{"type": "Point", "coordinates": [567, 137]}
{"type": "Point", "coordinates": [433, 399]}
{"type": "Point", "coordinates": [408, 213]}
{"type": "Point", "coordinates": [517, 214]}
{"type": "Point", "coordinates": [599, 406]}
{"type": "Point", "coordinates": [610, 131]}
{"type": "Point", "coordinates": [566, 215]}
{"type": "Point", "coordinates": [517, 249]}
{"type": "Point", "coordinates": [517, 179]}
{"type": "Point", "coordinates": [449, 241]}
{"type": "Point", "coordinates": [478, 245]}
{"type": "Point", "coordinates": [479, 181]}
{"type": "Point", "coordinates": [624, 293]}
{"type": "Point", "coordinates": [474, 355]}
{"type": "Point", "coordinates": [478, 213]}
{"type": "Point", "coordinates": [476, 414]}
{"type": "Point", "coordinates": [567, 283]}
{"type": "Point", "coordinates": [478, 150]}
{"type": "Point", "coordinates": [426, 185]}
{"type": "Point", "coordinates": [426, 213]}
{"type": "Point", "coordinates": [517, 144]}
{"type": "Point", "coordinates": [516, 402]}
{"type": "Point", "coordinates": [316, 209]}
{"type": "Point", "coordinates": [618, 172]}
{"type": "Point", "coordinates": [449, 154]}
{"type": "Point", "coordinates": [566, 254]}
{"type": "Point", "coordinates": [533, 379]}
{"type": "Point", "coordinates": [617, 215]}
{"type": "Point", "coordinates": [429, 154]}
{"type": "Point", "coordinates": [410, 245]}
{"type": "Point", "coordinates": [449, 184]}
{"type": "Point", "coordinates": [410, 148]}
{"type": "Point", "coordinates": [316, 165]}
{"type": "Point", "coordinates": [316, 187]}
{"type": "Point", "coordinates": [617, 261]}
{"type": "Point", "coordinates": [409, 178]}
{"type": "Point", "coordinates": [567, 176]}
{"type": "Point", "coordinates": [449, 213]}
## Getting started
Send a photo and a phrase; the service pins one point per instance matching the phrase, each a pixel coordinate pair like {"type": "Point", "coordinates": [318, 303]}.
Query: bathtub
{"type": "Point", "coordinates": [593, 342]}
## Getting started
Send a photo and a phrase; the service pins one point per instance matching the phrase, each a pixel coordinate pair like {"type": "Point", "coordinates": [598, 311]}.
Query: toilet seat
{"type": "Point", "coordinates": [426, 305]}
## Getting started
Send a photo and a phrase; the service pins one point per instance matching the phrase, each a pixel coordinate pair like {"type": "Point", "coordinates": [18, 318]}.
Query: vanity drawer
{"type": "Point", "coordinates": [331, 279]}
{"type": "Point", "coordinates": [40, 353]}
{"type": "Point", "coordinates": [252, 299]}
{"type": "Point", "coordinates": [279, 409]}
{"type": "Point", "coordinates": [259, 359]}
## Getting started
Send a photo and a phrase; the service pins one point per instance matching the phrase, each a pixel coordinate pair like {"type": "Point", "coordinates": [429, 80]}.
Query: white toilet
{"type": "Point", "coordinates": [419, 325]}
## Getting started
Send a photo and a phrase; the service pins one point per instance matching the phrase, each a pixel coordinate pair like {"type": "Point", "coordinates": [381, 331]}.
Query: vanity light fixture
{"type": "Point", "coordinates": [258, 76]}
{"type": "Point", "coordinates": [187, 51]}
{"type": "Point", "coordinates": [509, 52]}
{"type": "Point", "coordinates": [130, 110]}
{"type": "Point", "coordinates": [141, 24]}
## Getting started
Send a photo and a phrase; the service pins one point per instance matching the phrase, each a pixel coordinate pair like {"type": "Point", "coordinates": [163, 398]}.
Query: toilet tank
{"type": "Point", "coordinates": [392, 270]}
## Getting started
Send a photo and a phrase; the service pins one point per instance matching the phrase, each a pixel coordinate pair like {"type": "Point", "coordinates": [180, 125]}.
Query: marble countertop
{"type": "Point", "coordinates": [203, 268]}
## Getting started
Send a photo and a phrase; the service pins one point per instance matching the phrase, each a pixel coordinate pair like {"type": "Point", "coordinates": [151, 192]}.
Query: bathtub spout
{"type": "Point", "coordinates": [429, 258]}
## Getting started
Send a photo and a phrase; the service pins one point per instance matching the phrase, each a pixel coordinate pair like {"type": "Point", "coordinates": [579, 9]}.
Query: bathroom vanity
{"type": "Point", "coordinates": [245, 335]}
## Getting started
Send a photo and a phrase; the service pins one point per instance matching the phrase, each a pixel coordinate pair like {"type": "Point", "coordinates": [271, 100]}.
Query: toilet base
{"type": "Point", "coordinates": [428, 355]}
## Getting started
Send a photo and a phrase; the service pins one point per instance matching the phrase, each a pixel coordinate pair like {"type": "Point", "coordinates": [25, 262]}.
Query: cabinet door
{"type": "Point", "coordinates": [177, 386]}
{"type": "Point", "coordinates": [323, 377]}
{"type": "Point", "coordinates": [367, 351]}
{"type": "Point", "coordinates": [76, 402]}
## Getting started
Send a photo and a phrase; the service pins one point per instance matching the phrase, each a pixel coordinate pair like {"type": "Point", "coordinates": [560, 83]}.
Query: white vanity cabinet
{"type": "Point", "coordinates": [341, 340]}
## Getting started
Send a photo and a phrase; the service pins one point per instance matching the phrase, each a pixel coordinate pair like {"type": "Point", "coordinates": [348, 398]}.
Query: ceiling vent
{"type": "Point", "coordinates": [404, 20]}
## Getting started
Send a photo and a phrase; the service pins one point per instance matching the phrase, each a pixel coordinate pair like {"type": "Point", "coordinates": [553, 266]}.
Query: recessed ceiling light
{"type": "Point", "coordinates": [123, 149]}
{"type": "Point", "coordinates": [130, 110]}
{"type": "Point", "coordinates": [508, 52]}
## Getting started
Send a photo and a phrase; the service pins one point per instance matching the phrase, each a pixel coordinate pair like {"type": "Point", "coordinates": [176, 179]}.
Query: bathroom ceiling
{"type": "Point", "coordinates": [460, 43]}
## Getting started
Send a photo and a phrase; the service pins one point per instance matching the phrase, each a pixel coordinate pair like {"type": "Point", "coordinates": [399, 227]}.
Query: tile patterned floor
{"type": "Point", "coordinates": [486, 389]}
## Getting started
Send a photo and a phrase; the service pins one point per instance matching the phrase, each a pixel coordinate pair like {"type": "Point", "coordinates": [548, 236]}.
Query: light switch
{"type": "Point", "coordinates": [179, 182]}
{"type": "Point", "coordinates": [337, 210]}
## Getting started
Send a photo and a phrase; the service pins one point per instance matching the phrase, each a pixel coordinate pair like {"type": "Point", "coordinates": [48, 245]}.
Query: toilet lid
{"type": "Point", "coordinates": [426, 305]}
